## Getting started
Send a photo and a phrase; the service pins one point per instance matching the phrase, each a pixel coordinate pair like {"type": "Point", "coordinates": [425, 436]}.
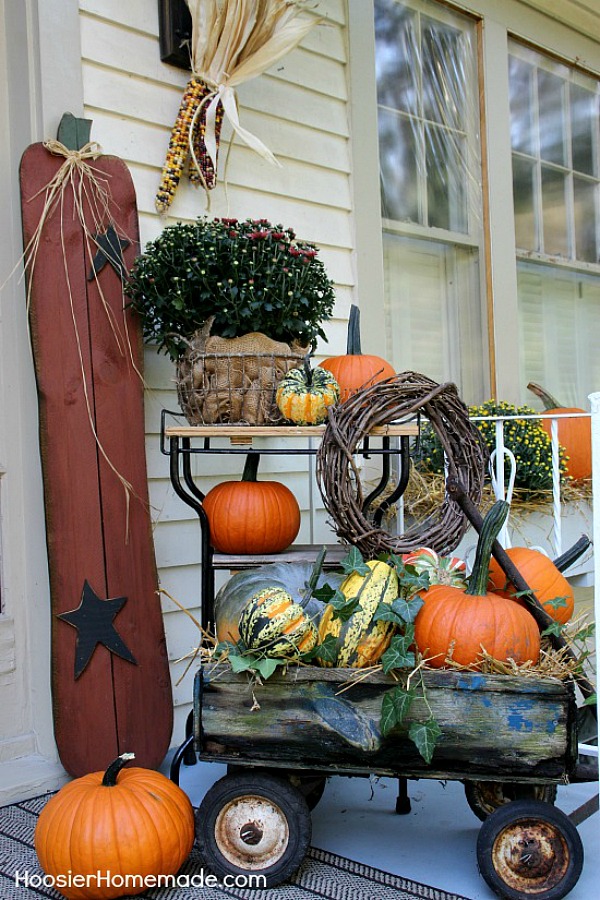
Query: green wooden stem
{"type": "Point", "coordinates": [353, 347]}
{"type": "Point", "coordinates": [547, 399]}
{"type": "Point", "coordinates": [491, 528]}
{"type": "Point", "coordinates": [316, 571]}
{"type": "Point", "coordinates": [251, 467]}
{"type": "Point", "coordinates": [112, 773]}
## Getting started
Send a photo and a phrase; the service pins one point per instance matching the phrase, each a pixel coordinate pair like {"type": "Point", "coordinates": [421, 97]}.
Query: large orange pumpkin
{"type": "Point", "coordinates": [123, 825]}
{"type": "Point", "coordinates": [251, 516]}
{"type": "Point", "coordinates": [458, 622]}
{"type": "Point", "coordinates": [575, 435]}
{"type": "Point", "coordinates": [356, 370]}
{"type": "Point", "coordinates": [550, 586]}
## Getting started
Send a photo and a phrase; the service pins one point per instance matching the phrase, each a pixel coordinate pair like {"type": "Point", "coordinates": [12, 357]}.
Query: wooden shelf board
{"type": "Point", "coordinates": [299, 553]}
{"type": "Point", "coordinates": [247, 432]}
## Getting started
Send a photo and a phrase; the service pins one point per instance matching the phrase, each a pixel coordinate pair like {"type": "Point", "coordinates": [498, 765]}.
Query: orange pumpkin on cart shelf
{"type": "Point", "coordinates": [251, 516]}
{"type": "Point", "coordinates": [356, 370]}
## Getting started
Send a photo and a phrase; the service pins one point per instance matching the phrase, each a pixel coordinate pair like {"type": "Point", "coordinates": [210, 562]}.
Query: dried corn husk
{"type": "Point", "coordinates": [232, 42]}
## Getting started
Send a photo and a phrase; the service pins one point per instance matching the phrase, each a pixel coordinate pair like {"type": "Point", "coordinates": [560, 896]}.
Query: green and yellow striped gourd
{"type": "Point", "coordinates": [360, 640]}
{"type": "Point", "coordinates": [304, 394]}
{"type": "Point", "coordinates": [272, 624]}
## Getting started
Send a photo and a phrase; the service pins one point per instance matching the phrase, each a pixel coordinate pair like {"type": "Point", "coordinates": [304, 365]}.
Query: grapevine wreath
{"type": "Point", "coordinates": [399, 398]}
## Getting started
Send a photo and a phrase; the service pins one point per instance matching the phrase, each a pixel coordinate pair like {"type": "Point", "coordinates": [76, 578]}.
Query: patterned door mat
{"type": "Point", "coordinates": [322, 876]}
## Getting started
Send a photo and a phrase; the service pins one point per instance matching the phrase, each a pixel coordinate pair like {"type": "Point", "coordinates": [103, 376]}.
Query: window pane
{"type": "Point", "coordinates": [559, 321]}
{"type": "Point", "coordinates": [446, 189]}
{"type": "Point", "coordinates": [524, 196]}
{"type": "Point", "coordinates": [521, 114]}
{"type": "Point", "coordinates": [398, 168]}
{"type": "Point", "coordinates": [584, 119]}
{"type": "Point", "coordinates": [443, 74]}
{"type": "Point", "coordinates": [553, 213]}
{"type": "Point", "coordinates": [586, 228]}
{"type": "Point", "coordinates": [551, 114]}
{"type": "Point", "coordinates": [396, 57]}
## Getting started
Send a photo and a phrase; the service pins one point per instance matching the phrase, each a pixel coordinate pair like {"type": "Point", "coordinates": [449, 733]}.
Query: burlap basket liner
{"type": "Point", "coordinates": [216, 387]}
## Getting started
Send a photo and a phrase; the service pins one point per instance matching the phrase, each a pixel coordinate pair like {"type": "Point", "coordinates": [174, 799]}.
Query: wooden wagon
{"type": "Point", "coordinates": [506, 738]}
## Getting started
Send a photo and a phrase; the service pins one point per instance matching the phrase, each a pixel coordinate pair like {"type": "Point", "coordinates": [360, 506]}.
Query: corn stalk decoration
{"type": "Point", "coordinates": [232, 42]}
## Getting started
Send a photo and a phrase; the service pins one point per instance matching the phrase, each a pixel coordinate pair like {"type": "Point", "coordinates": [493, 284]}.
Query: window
{"type": "Point", "coordinates": [430, 174]}
{"type": "Point", "coordinates": [554, 137]}
{"type": "Point", "coordinates": [554, 126]}
{"type": "Point", "coordinates": [532, 255]}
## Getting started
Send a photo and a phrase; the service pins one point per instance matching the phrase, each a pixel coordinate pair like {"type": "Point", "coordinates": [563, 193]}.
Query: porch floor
{"type": "Point", "coordinates": [434, 844]}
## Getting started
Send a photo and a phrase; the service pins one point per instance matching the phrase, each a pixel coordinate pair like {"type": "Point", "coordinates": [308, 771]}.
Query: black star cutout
{"type": "Point", "coordinates": [93, 619]}
{"type": "Point", "coordinates": [110, 249]}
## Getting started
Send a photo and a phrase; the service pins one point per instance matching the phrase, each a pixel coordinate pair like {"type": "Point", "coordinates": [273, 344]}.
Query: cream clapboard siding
{"type": "Point", "coordinates": [582, 15]}
{"type": "Point", "coordinates": [299, 109]}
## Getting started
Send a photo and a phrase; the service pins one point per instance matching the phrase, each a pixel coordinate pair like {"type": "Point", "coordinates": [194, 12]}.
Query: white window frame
{"type": "Point", "coordinates": [499, 21]}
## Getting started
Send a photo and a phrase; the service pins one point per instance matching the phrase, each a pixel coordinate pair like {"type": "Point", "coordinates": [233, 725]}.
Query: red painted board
{"type": "Point", "coordinates": [114, 705]}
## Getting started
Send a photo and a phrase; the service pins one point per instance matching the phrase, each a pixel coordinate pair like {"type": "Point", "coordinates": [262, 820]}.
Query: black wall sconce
{"type": "Point", "coordinates": [175, 32]}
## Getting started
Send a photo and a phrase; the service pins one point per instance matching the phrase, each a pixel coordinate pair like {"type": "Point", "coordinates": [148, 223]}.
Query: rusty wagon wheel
{"type": "Point", "coordinates": [253, 824]}
{"type": "Point", "coordinates": [311, 785]}
{"type": "Point", "coordinates": [484, 797]}
{"type": "Point", "coordinates": [529, 848]}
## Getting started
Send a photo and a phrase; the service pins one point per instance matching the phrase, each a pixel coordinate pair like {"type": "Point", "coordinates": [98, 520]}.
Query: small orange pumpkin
{"type": "Point", "coordinates": [575, 435]}
{"type": "Point", "coordinates": [550, 586]}
{"type": "Point", "coordinates": [251, 516]}
{"type": "Point", "coordinates": [125, 825]}
{"type": "Point", "coordinates": [458, 622]}
{"type": "Point", "coordinates": [356, 370]}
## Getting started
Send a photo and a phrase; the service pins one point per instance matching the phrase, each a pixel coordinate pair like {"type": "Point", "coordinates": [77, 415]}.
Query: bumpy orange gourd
{"type": "Point", "coordinates": [356, 370]}
{"type": "Point", "coordinates": [251, 516]}
{"type": "Point", "coordinates": [461, 623]}
{"type": "Point", "coordinates": [126, 822]}
{"type": "Point", "coordinates": [575, 435]}
{"type": "Point", "coordinates": [548, 584]}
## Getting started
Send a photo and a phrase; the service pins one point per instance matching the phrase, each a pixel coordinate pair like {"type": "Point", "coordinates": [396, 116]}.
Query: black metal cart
{"type": "Point", "coordinates": [506, 739]}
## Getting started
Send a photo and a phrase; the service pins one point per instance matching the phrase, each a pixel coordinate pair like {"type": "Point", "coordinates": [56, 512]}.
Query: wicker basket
{"type": "Point", "coordinates": [233, 380]}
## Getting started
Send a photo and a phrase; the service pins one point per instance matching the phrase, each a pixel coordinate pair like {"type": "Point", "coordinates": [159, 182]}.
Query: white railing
{"type": "Point", "coordinates": [498, 464]}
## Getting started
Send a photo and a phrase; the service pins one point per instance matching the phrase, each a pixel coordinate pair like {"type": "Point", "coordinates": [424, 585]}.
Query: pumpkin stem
{"type": "Point", "coordinates": [111, 774]}
{"type": "Point", "coordinates": [251, 467]}
{"type": "Point", "coordinates": [316, 571]}
{"type": "Point", "coordinates": [353, 347]}
{"type": "Point", "coordinates": [491, 528]}
{"type": "Point", "coordinates": [547, 399]}
{"type": "Point", "coordinates": [308, 372]}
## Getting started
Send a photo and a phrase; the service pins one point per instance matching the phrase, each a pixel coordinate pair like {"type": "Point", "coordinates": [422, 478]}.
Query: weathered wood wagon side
{"type": "Point", "coordinates": [494, 727]}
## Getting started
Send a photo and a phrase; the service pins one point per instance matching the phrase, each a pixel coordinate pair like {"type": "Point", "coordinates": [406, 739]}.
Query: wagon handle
{"type": "Point", "coordinates": [457, 492]}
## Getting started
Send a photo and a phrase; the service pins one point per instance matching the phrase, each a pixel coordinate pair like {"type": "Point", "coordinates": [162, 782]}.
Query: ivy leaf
{"type": "Point", "coordinates": [343, 607]}
{"type": "Point", "coordinates": [425, 735]}
{"type": "Point", "coordinates": [224, 647]}
{"type": "Point", "coordinates": [354, 562]}
{"type": "Point", "coordinates": [588, 631]}
{"type": "Point", "coordinates": [554, 628]}
{"type": "Point", "coordinates": [591, 700]}
{"type": "Point", "coordinates": [327, 650]}
{"type": "Point", "coordinates": [385, 612]}
{"type": "Point", "coordinates": [242, 663]}
{"type": "Point", "coordinates": [324, 593]}
{"type": "Point", "coordinates": [407, 609]}
{"type": "Point", "coordinates": [398, 655]}
{"type": "Point", "coordinates": [394, 707]}
{"type": "Point", "coordinates": [556, 603]}
{"type": "Point", "coordinates": [266, 666]}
